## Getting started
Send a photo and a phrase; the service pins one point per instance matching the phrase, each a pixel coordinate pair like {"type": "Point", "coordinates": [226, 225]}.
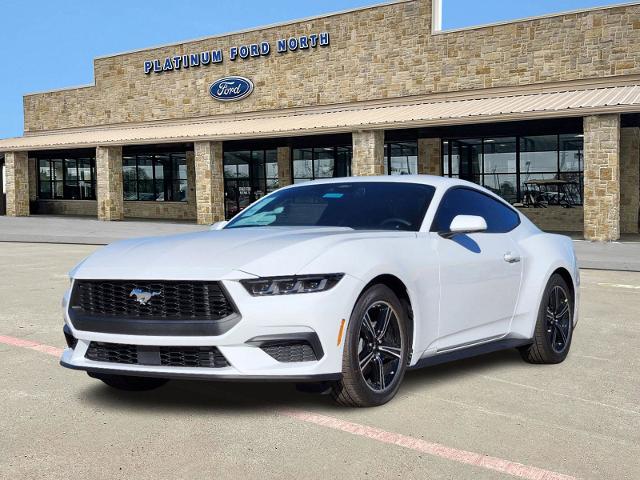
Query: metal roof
{"type": "Point", "coordinates": [575, 102]}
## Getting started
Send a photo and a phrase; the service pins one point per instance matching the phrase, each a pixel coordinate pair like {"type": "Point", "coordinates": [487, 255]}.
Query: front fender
{"type": "Point", "coordinates": [412, 259]}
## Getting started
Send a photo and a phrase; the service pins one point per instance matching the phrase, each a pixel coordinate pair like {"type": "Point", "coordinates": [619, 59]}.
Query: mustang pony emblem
{"type": "Point", "coordinates": [142, 296]}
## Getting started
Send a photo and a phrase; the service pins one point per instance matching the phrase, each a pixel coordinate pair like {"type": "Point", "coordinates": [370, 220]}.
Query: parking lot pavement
{"type": "Point", "coordinates": [477, 418]}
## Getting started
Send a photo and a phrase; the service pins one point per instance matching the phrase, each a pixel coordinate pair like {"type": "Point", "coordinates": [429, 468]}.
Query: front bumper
{"type": "Point", "coordinates": [316, 315]}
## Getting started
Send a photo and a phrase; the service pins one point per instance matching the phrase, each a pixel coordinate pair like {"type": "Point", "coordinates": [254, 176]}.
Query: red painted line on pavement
{"type": "Point", "coordinates": [373, 433]}
{"type": "Point", "coordinates": [39, 347]}
{"type": "Point", "coordinates": [435, 449]}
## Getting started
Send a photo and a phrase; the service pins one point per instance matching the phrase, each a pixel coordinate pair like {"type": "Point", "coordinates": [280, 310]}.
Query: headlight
{"type": "Point", "coordinates": [263, 287]}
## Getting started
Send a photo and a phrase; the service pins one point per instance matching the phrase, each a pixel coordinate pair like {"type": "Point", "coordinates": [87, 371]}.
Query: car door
{"type": "Point", "coordinates": [480, 273]}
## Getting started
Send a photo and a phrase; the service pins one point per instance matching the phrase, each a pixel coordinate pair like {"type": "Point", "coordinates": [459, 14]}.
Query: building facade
{"type": "Point", "coordinates": [543, 111]}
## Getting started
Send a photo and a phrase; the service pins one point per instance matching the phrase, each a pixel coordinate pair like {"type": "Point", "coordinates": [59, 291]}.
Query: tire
{"type": "Point", "coordinates": [130, 384]}
{"type": "Point", "coordinates": [376, 350]}
{"type": "Point", "coordinates": [554, 329]}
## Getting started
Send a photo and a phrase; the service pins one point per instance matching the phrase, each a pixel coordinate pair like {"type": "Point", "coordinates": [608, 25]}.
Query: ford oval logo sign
{"type": "Point", "coordinates": [230, 89]}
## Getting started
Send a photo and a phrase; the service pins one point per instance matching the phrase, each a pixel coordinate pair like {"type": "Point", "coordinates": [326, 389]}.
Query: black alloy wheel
{"type": "Point", "coordinates": [554, 328]}
{"type": "Point", "coordinates": [376, 350]}
{"type": "Point", "coordinates": [379, 346]}
{"type": "Point", "coordinates": [558, 319]}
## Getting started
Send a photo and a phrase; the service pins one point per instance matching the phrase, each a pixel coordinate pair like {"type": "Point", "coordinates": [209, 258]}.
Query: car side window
{"type": "Point", "coordinates": [467, 201]}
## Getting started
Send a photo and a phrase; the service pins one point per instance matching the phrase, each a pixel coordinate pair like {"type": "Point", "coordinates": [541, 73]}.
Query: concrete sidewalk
{"type": "Point", "coordinates": [84, 230]}
{"type": "Point", "coordinates": [88, 231]}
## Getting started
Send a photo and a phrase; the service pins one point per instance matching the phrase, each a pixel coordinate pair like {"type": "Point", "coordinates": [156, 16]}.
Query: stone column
{"type": "Point", "coordinates": [191, 182]}
{"type": "Point", "coordinates": [368, 153]}
{"type": "Point", "coordinates": [284, 166]}
{"type": "Point", "coordinates": [209, 182]}
{"type": "Point", "coordinates": [33, 179]}
{"type": "Point", "coordinates": [109, 183]}
{"type": "Point", "coordinates": [602, 177]}
{"type": "Point", "coordinates": [17, 171]}
{"type": "Point", "coordinates": [429, 156]}
{"type": "Point", "coordinates": [629, 179]}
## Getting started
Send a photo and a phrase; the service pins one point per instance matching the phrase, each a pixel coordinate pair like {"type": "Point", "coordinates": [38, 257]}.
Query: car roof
{"type": "Point", "coordinates": [433, 180]}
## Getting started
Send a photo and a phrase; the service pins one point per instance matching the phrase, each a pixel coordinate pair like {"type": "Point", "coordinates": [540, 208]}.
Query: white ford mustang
{"type": "Point", "coordinates": [344, 282]}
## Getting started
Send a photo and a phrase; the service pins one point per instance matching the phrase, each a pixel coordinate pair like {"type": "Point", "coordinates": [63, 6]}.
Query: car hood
{"type": "Point", "coordinates": [230, 253]}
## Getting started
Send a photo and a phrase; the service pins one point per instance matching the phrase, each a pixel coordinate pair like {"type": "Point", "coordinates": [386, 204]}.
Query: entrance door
{"type": "Point", "coordinates": [3, 188]}
{"type": "Point", "coordinates": [248, 176]}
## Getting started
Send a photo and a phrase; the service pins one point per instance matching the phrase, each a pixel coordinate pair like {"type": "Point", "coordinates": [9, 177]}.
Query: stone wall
{"type": "Point", "coordinates": [109, 183]}
{"type": "Point", "coordinates": [17, 173]}
{"type": "Point", "coordinates": [284, 166]}
{"type": "Point", "coordinates": [602, 177]}
{"type": "Point", "coordinates": [368, 153]}
{"type": "Point", "coordinates": [209, 182]}
{"type": "Point", "coordinates": [429, 156]}
{"type": "Point", "coordinates": [375, 53]}
{"type": "Point", "coordinates": [67, 207]}
{"type": "Point", "coordinates": [629, 179]}
{"type": "Point", "coordinates": [556, 219]}
{"type": "Point", "coordinates": [160, 210]}
{"type": "Point", "coordinates": [33, 179]}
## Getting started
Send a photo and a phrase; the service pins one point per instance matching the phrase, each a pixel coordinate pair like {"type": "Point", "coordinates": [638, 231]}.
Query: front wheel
{"type": "Point", "coordinates": [554, 327]}
{"type": "Point", "coordinates": [130, 384]}
{"type": "Point", "coordinates": [376, 350]}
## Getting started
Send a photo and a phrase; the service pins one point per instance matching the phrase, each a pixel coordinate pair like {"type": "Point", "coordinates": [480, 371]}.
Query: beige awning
{"type": "Point", "coordinates": [576, 102]}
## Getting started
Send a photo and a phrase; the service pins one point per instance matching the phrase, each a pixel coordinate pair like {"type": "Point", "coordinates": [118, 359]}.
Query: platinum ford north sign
{"type": "Point", "coordinates": [243, 52]}
{"type": "Point", "coordinates": [229, 89]}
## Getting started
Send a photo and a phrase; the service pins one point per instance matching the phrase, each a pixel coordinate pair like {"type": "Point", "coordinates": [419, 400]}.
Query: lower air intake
{"type": "Point", "coordinates": [300, 351]}
{"type": "Point", "coordinates": [202, 357]}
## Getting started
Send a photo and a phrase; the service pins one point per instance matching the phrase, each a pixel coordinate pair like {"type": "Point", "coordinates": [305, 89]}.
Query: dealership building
{"type": "Point", "coordinates": [543, 111]}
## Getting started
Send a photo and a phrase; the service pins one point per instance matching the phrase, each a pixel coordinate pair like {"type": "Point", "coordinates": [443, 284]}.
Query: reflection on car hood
{"type": "Point", "coordinates": [260, 251]}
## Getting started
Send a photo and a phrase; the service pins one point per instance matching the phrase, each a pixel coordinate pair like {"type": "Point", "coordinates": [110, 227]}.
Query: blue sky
{"type": "Point", "coordinates": [49, 44]}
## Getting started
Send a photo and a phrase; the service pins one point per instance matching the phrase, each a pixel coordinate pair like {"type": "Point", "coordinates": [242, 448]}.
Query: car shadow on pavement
{"type": "Point", "coordinates": [453, 371]}
{"type": "Point", "coordinates": [186, 397]}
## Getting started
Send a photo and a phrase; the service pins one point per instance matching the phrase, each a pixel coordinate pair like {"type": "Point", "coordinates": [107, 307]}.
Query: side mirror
{"type": "Point", "coordinates": [218, 225]}
{"type": "Point", "coordinates": [463, 224]}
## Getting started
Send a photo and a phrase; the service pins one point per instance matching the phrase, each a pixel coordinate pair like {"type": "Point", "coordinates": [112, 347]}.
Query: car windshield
{"type": "Point", "coordinates": [356, 205]}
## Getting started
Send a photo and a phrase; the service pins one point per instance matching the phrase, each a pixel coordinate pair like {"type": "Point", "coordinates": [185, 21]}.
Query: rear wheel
{"type": "Point", "coordinates": [130, 384]}
{"type": "Point", "coordinates": [376, 350]}
{"type": "Point", "coordinates": [554, 327]}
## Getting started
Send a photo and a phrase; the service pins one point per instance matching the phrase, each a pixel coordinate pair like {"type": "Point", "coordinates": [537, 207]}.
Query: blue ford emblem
{"type": "Point", "coordinates": [229, 89]}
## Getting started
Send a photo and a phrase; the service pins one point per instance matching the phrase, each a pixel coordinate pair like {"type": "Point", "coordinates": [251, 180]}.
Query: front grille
{"type": "Point", "coordinates": [205, 357]}
{"type": "Point", "coordinates": [176, 300]}
{"type": "Point", "coordinates": [297, 351]}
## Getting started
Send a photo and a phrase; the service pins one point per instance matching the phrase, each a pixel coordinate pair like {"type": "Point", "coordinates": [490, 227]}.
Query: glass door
{"type": "Point", "coordinates": [248, 176]}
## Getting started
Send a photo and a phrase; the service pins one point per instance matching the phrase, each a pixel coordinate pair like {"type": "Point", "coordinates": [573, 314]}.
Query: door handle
{"type": "Point", "coordinates": [511, 258]}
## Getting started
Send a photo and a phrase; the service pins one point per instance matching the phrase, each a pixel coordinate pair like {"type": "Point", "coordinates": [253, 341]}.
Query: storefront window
{"type": "Point", "coordinates": [248, 176]}
{"type": "Point", "coordinates": [323, 162]}
{"type": "Point", "coordinates": [401, 158]}
{"type": "Point", "coordinates": [158, 177]}
{"type": "Point", "coordinates": [533, 170]}
{"type": "Point", "coordinates": [67, 177]}
{"type": "Point", "coordinates": [539, 154]}
{"type": "Point", "coordinates": [499, 167]}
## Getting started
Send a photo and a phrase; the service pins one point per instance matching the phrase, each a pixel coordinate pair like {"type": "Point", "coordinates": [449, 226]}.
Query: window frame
{"type": "Point", "coordinates": [313, 150]}
{"type": "Point", "coordinates": [155, 164]}
{"type": "Point", "coordinates": [446, 160]}
{"type": "Point", "coordinates": [403, 144]}
{"type": "Point", "coordinates": [63, 159]}
{"type": "Point", "coordinates": [475, 190]}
